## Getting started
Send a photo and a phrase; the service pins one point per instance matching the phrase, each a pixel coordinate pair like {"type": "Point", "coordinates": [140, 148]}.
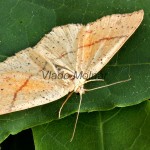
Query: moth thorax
{"type": "Point", "coordinates": [79, 85]}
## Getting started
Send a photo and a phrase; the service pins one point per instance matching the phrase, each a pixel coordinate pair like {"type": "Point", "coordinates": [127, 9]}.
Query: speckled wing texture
{"type": "Point", "coordinates": [99, 41]}
{"type": "Point", "coordinates": [59, 47]}
{"type": "Point", "coordinates": [22, 85]}
{"type": "Point", "coordinates": [66, 49]}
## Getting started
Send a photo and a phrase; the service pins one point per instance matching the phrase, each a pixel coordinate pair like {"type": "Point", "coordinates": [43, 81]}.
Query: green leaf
{"type": "Point", "coordinates": [120, 128]}
{"type": "Point", "coordinates": [23, 23]}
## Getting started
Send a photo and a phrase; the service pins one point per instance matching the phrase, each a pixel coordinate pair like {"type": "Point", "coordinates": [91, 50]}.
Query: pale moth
{"type": "Point", "coordinates": [69, 49]}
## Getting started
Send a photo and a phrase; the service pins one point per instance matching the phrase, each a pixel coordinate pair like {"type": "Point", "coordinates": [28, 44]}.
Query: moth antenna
{"type": "Point", "coordinates": [75, 125]}
{"type": "Point", "coordinates": [93, 80]}
{"type": "Point", "coordinates": [108, 85]}
{"type": "Point", "coordinates": [64, 103]}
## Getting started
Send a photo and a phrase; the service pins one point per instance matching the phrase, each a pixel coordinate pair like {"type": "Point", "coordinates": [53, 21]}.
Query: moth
{"type": "Point", "coordinates": [71, 49]}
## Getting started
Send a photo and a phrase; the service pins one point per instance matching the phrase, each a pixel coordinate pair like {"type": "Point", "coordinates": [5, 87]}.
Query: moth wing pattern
{"type": "Point", "coordinates": [100, 40]}
{"type": "Point", "coordinates": [59, 47]}
{"type": "Point", "coordinates": [22, 85]}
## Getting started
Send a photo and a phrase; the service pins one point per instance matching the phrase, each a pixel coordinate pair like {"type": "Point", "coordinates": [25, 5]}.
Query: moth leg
{"type": "Point", "coordinates": [64, 103]}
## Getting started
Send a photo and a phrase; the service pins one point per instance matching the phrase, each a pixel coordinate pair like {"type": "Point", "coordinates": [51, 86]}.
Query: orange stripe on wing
{"type": "Point", "coordinates": [98, 41]}
{"type": "Point", "coordinates": [20, 88]}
